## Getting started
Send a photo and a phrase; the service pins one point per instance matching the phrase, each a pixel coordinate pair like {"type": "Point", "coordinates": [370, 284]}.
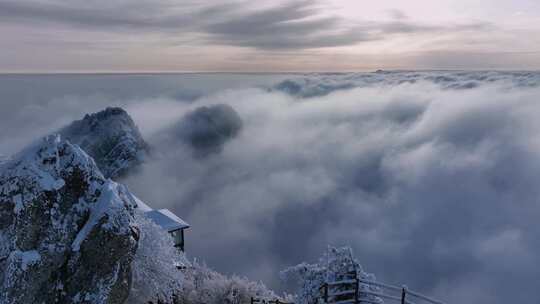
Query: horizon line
{"type": "Point", "coordinates": [39, 73]}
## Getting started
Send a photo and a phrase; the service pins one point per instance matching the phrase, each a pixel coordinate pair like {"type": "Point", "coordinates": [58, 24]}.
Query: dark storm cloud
{"type": "Point", "coordinates": [293, 25]}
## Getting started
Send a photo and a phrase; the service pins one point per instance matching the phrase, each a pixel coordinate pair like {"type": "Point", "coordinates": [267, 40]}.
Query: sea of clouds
{"type": "Point", "coordinates": [432, 177]}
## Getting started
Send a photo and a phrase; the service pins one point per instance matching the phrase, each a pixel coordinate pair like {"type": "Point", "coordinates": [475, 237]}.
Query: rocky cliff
{"type": "Point", "coordinates": [111, 138]}
{"type": "Point", "coordinates": [67, 234]}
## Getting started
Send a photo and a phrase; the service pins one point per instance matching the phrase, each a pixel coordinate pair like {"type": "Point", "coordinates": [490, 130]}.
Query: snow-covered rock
{"type": "Point", "coordinates": [111, 138]}
{"type": "Point", "coordinates": [67, 234]}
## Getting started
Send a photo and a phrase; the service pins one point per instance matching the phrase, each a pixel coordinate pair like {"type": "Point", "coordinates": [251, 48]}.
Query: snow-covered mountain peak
{"type": "Point", "coordinates": [67, 234]}
{"type": "Point", "coordinates": [44, 165]}
{"type": "Point", "coordinates": [111, 138]}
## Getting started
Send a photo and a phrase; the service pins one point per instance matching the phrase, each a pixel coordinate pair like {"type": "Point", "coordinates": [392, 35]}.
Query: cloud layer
{"type": "Point", "coordinates": [271, 36]}
{"type": "Point", "coordinates": [431, 181]}
{"type": "Point", "coordinates": [291, 25]}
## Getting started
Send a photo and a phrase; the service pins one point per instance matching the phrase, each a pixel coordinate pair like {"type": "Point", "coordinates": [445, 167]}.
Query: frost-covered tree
{"type": "Point", "coordinates": [204, 285]}
{"type": "Point", "coordinates": [335, 265]}
{"type": "Point", "coordinates": [155, 275]}
{"type": "Point", "coordinates": [156, 279]}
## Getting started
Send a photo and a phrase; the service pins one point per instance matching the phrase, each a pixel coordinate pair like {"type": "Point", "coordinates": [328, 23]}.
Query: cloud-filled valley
{"type": "Point", "coordinates": [430, 176]}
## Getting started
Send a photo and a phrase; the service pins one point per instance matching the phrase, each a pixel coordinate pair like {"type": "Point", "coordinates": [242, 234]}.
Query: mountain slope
{"type": "Point", "coordinates": [67, 234]}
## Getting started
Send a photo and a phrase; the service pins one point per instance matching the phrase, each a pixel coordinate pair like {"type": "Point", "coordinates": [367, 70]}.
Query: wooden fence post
{"type": "Point", "coordinates": [403, 294]}
{"type": "Point", "coordinates": [356, 287]}
{"type": "Point", "coordinates": [325, 293]}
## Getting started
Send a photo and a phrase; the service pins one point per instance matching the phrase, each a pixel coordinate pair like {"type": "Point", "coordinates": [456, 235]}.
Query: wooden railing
{"type": "Point", "coordinates": [362, 291]}
{"type": "Point", "coordinates": [357, 291]}
{"type": "Point", "coordinates": [267, 301]}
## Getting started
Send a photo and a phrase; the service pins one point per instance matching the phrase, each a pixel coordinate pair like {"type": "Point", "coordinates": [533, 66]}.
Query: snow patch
{"type": "Point", "coordinates": [19, 205]}
{"type": "Point", "coordinates": [29, 258]}
{"type": "Point", "coordinates": [106, 206]}
{"type": "Point", "coordinates": [49, 183]}
{"type": "Point", "coordinates": [26, 258]}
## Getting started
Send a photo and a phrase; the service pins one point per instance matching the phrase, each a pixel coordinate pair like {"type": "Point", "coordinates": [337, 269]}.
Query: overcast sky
{"type": "Point", "coordinates": [263, 36]}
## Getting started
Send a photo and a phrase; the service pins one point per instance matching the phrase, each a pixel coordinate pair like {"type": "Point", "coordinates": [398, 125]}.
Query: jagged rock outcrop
{"type": "Point", "coordinates": [111, 138]}
{"type": "Point", "coordinates": [67, 234]}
